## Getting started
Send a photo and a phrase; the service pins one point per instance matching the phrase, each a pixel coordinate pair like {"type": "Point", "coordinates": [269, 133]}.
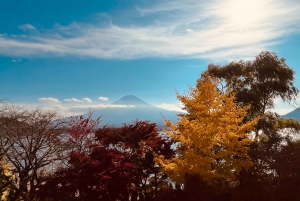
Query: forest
{"type": "Point", "coordinates": [227, 146]}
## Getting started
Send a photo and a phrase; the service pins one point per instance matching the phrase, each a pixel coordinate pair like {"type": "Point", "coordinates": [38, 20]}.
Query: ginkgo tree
{"type": "Point", "coordinates": [212, 140]}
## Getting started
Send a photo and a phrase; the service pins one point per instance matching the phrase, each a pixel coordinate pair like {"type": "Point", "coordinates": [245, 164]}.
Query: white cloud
{"type": "Point", "coordinates": [172, 107]}
{"type": "Point", "coordinates": [63, 110]}
{"type": "Point", "coordinates": [68, 109]}
{"type": "Point", "coordinates": [220, 30]}
{"type": "Point", "coordinates": [87, 100]}
{"type": "Point", "coordinates": [16, 60]}
{"type": "Point", "coordinates": [282, 111]}
{"type": "Point", "coordinates": [74, 100]}
{"type": "Point", "coordinates": [88, 107]}
{"type": "Point", "coordinates": [103, 98]}
{"type": "Point", "coordinates": [49, 100]}
{"type": "Point", "coordinates": [69, 100]}
{"type": "Point", "coordinates": [283, 108]}
{"type": "Point", "coordinates": [26, 27]}
{"type": "Point", "coordinates": [101, 106]}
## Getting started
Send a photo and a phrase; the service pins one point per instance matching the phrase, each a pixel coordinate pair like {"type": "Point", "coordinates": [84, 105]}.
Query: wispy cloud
{"type": "Point", "coordinates": [66, 109]}
{"type": "Point", "coordinates": [101, 106]}
{"type": "Point", "coordinates": [49, 100]}
{"type": "Point", "coordinates": [172, 107]}
{"type": "Point", "coordinates": [69, 110]}
{"type": "Point", "coordinates": [187, 28]}
{"type": "Point", "coordinates": [87, 100]}
{"type": "Point", "coordinates": [72, 106]}
{"type": "Point", "coordinates": [73, 100]}
{"type": "Point", "coordinates": [283, 107]}
{"type": "Point", "coordinates": [26, 27]}
{"type": "Point", "coordinates": [103, 98]}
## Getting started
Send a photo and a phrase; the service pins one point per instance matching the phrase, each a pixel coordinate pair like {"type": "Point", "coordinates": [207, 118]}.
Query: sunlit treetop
{"type": "Point", "coordinates": [212, 140]}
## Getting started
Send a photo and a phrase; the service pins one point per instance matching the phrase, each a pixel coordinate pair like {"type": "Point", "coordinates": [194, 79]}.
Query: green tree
{"type": "Point", "coordinates": [258, 82]}
{"type": "Point", "coordinates": [275, 163]}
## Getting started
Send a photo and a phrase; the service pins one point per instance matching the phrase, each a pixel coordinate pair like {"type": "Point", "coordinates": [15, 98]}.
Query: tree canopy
{"type": "Point", "coordinates": [258, 82]}
{"type": "Point", "coordinates": [212, 140]}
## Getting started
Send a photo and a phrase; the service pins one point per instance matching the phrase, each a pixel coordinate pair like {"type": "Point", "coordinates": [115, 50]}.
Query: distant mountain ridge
{"type": "Point", "coordinates": [137, 110]}
{"type": "Point", "coordinates": [131, 100]}
{"type": "Point", "coordinates": [295, 114]}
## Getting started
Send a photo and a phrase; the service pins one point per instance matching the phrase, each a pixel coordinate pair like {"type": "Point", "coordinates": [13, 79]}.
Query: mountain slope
{"type": "Point", "coordinates": [295, 114]}
{"type": "Point", "coordinates": [131, 100]}
{"type": "Point", "coordinates": [137, 109]}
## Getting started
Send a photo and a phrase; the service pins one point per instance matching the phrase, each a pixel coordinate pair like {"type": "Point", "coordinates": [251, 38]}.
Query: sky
{"type": "Point", "coordinates": [77, 55]}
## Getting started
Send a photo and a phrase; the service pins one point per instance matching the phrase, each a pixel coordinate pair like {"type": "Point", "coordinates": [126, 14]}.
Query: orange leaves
{"type": "Point", "coordinates": [212, 140]}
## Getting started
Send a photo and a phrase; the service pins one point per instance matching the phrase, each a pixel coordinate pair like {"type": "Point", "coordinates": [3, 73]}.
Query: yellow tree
{"type": "Point", "coordinates": [211, 139]}
{"type": "Point", "coordinates": [5, 179]}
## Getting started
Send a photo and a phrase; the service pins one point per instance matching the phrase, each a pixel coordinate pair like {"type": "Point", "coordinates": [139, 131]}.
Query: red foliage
{"type": "Point", "coordinates": [139, 142]}
{"type": "Point", "coordinates": [105, 164]}
{"type": "Point", "coordinates": [80, 126]}
{"type": "Point", "coordinates": [81, 132]}
{"type": "Point", "coordinates": [104, 174]}
{"type": "Point", "coordinates": [136, 139]}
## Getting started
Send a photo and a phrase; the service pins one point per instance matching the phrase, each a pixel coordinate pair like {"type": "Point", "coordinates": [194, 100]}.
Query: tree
{"type": "Point", "coordinates": [212, 140]}
{"type": "Point", "coordinates": [257, 83]}
{"type": "Point", "coordinates": [274, 174]}
{"type": "Point", "coordinates": [6, 178]}
{"type": "Point", "coordinates": [102, 174]}
{"type": "Point", "coordinates": [79, 136]}
{"type": "Point", "coordinates": [94, 170]}
{"type": "Point", "coordinates": [140, 142]}
{"type": "Point", "coordinates": [287, 165]}
{"type": "Point", "coordinates": [107, 163]}
{"type": "Point", "coordinates": [28, 140]}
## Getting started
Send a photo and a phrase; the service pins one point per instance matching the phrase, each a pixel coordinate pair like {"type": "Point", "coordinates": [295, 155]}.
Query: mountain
{"type": "Point", "coordinates": [131, 100]}
{"type": "Point", "coordinates": [130, 108]}
{"type": "Point", "coordinates": [295, 114]}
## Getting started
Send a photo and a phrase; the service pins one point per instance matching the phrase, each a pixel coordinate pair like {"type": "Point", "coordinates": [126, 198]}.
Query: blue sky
{"type": "Point", "coordinates": [72, 55]}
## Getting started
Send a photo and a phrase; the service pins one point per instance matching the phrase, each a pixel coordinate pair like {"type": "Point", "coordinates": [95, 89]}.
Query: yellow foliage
{"type": "Point", "coordinates": [212, 140]}
{"type": "Point", "coordinates": [6, 171]}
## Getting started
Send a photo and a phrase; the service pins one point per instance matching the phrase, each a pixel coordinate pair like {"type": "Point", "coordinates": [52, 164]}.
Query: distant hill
{"type": "Point", "coordinates": [295, 114]}
{"type": "Point", "coordinates": [137, 109]}
{"type": "Point", "coordinates": [131, 100]}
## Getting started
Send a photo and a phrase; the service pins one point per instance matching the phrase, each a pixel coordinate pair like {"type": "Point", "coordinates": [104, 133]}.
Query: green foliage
{"type": "Point", "coordinates": [258, 82]}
